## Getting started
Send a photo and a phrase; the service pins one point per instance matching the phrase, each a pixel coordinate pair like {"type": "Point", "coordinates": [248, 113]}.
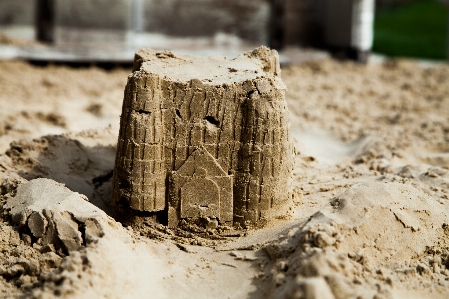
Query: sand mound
{"type": "Point", "coordinates": [63, 222]}
{"type": "Point", "coordinates": [364, 231]}
{"type": "Point", "coordinates": [390, 220]}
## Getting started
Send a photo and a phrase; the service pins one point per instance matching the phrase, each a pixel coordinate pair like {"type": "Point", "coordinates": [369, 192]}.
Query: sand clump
{"type": "Point", "coordinates": [370, 194]}
{"type": "Point", "coordinates": [53, 218]}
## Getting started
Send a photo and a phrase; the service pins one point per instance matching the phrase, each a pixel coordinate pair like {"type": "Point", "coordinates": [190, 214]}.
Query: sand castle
{"type": "Point", "coordinates": [205, 138]}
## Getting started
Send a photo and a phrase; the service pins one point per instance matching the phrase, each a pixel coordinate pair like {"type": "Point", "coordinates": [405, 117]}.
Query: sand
{"type": "Point", "coordinates": [370, 215]}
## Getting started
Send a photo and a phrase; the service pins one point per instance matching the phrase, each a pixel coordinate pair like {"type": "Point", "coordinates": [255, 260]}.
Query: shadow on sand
{"type": "Point", "coordinates": [81, 168]}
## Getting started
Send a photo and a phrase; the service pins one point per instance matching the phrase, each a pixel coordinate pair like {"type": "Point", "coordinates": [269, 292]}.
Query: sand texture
{"type": "Point", "coordinates": [369, 218]}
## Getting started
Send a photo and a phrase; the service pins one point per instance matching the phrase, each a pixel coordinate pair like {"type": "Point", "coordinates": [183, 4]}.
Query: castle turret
{"type": "Point", "coordinates": [205, 128]}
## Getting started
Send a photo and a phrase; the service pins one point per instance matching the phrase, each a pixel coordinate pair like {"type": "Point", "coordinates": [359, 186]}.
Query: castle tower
{"type": "Point", "coordinates": [190, 124]}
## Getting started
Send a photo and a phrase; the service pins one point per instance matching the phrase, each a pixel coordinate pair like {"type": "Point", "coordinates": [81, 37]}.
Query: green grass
{"type": "Point", "coordinates": [418, 29]}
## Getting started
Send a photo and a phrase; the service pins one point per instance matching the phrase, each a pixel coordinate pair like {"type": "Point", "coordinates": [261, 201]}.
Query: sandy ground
{"type": "Point", "coordinates": [371, 195]}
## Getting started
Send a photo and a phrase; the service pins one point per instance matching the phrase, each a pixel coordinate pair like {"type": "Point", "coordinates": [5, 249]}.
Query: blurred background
{"type": "Point", "coordinates": [412, 28]}
{"type": "Point", "coordinates": [112, 30]}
